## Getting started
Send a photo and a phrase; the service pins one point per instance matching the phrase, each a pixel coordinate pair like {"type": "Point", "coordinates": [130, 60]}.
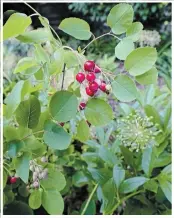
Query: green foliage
{"type": "Point", "coordinates": [56, 150]}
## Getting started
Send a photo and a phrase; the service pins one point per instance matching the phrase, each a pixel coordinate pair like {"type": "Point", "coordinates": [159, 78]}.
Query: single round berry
{"type": "Point", "coordinates": [44, 159]}
{"type": "Point", "coordinates": [80, 77]}
{"type": "Point", "coordinates": [89, 66]}
{"type": "Point", "coordinates": [97, 69]}
{"type": "Point", "coordinates": [62, 124]}
{"type": "Point", "coordinates": [36, 184]}
{"type": "Point", "coordinates": [89, 91]}
{"type": "Point", "coordinates": [94, 86]}
{"type": "Point", "coordinates": [90, 77]}
{"type": "Point", "coordinates": [13, 180]}
{"type": "Point", "coordinates": [103, 86]}
{"type": "Point", "coordinates": [82, 106]}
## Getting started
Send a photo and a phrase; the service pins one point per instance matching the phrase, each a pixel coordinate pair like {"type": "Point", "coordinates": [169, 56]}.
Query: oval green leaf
{"type": "Point", "coordinates": [150, 77]}
{"type": "Point", "coordinates": [118, 175]}
{"type": "Point", "coordinates": [55, 180]}
{"type": "Point", "coordinates": [36, 36]}
{"type": "Point", "coordinates": [124, 88]}
{"type": "Point", "coordinates": [76, 27]}
{"type": "Point", "coordinates": [28, 112]}
{"type": "Point", "coordinates": [124, 48]}
{"type": "Point", "coordinates": [52, 202]}
{"type": "Point", "coordinates": [130, 185]}
{"type": "Point", "coordinates": [35, 199]}
{"type": "Point", "coordinates": [120, 18]}
{"type": "Point", "coordinates": [15, 25]}
{"type": "Point", "coordinates": [55, 136]}
{"type": "Point", "coordinates": [63, 106]}
{"type": "Point", "coordinates": [25, 64]}
{"type": "Point", "coordinates": [98, 112]}
{"type": "Point", "coordinates": [83, 131]}
{"type": "Point", "coordinates": [134, 31]}
{"type": "Point", "coordinates": [140, 60]}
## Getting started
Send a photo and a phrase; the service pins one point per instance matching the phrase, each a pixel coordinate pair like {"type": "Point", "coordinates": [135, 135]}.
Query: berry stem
{"type": "Point", "coordinates": [105, 34]}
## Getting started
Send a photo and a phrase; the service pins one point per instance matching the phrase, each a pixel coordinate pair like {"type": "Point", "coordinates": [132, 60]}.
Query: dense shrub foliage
{"type": "Point", "coordinates": [69, 148]}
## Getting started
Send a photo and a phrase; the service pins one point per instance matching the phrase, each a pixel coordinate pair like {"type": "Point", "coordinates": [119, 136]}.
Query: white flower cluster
{"type": "Point", "coordinates": [137, 132]}
{"type": "Point", "coordinates": [149, 38]}
{"type": "Point", "coordinates": [39, 172]}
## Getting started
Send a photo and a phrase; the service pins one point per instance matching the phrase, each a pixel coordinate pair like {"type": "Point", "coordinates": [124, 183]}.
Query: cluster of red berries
{"type": "Point", "coordinates": [93, 83]}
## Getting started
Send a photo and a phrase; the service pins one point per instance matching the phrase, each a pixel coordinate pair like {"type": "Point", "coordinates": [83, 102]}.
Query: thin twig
{"type": "Point", "coordinates": [63, 76]}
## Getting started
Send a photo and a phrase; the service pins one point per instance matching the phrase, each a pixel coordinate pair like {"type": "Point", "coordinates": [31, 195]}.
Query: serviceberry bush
{"type": "Point", "coordinates": [65, 150]}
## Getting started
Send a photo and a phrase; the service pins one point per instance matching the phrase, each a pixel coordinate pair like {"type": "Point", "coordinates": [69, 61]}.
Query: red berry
{"type": "Point", "coordinates": [89, 91]}
{"type": "Point", "coordinates": [62, 124]}
{"type": "Point", "coordinates": [80, 77]}
{"type": "Point", "coordinates": [90, 77]}
{"type": "Point", "coordinates": [82, 106]}
{"type": "Point", "coordinates": [103, 86]}
{"type": "Point", "coordinates": [89, 65]}
{"type": "Point", "coordinates": [13, 180]}
{"type": "Point", "coordinates": [94, 86]}
{"type": "Point", "coordinates": [97, 69]}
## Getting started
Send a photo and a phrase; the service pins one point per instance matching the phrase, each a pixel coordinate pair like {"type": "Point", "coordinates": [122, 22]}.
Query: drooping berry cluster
{"type": "Point", "coordinates": [39, 172]}
{"type": "Point", "coordinates": [137, 132]}
{"type": "Point", "coordinates": [93, 83]}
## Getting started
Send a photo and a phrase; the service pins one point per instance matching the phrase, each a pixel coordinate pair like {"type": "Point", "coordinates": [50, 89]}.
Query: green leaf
{"type": "Point", "coordinates": [83, 131]}
{"type": "Point", "coordinates": [98, 112]}
{"type": "Point", "coordinates": [150, 77]}
{"type": "Point", "coordinates": [70, 59]}
{"type": "Point", "coordinates": [18, 208]}
{"type": "Point", "coordinates": [151, 185]}
{"type": "Point", "coordinates": [76, 27]}
{"type": "Point", "coordinates": [124, 48]}
{"type": "Point", "coordinates": [36, 36]}
{"type": "Point", "coordinates": [41, 55]}
{"type": "Point", "coordinates": [140, 60]}
{"type": "Point", "coordinates": [5, 177]}
{"type": "Point", "coordinates": [25, 64]}
{"type": "Point", "coordinates": [134, 31]}
{"type": "Point", "coordinates": [166, 187]}
{"type": "Point", "coordinates": [106, 155]}
{"type": "Point", "coordinates": [124, 88]}
{"type": "Point", "coordinates": [28, 112]}
{"type": "Point", "coordinates": [118, 175]}
{"type": "Point", "coordinates": [147, 161]}
{"type": "Point", "coordinates": [22, 166]}
{"type": "Point", "coordinates": [15, 25]}
{"type": "Point", "coordinates": [128, 156]}
{"type": "Point", "coordinates": [58, 62]}
{"type": "Point", "coordinates": [151, 111]}
{"type": "Point", "coordinates": [52, 202]}
{"type": "Point", "coordinates": [14, 147]}
{"type": "Point", "coordinates": [36, 147]}
{"type": "Point", "coordinates": [130, 185]}
{"type": "Point", "coordinates": [91, 209]}
{"type": "Point", "coordinates": [63, 106]}
{"type": "Point", "coordinates": [79, 179]}
{"type": "Point", "coordinates": [163, 160]}
{"type": "Point", "coordinates": [55, 180]}
{"type": "Point", "coordinates": [35, 199]}
{"type": "Point", "coordinates": [120, 18]}
{"type": "Point", "coordinates": [101, 175]}
{"type": "Point", "coordinates": [55, 136]}
{"type": "Point", "coordinates": [14, 98]}
{"type": "Point", "coordinates": [109, 197]}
